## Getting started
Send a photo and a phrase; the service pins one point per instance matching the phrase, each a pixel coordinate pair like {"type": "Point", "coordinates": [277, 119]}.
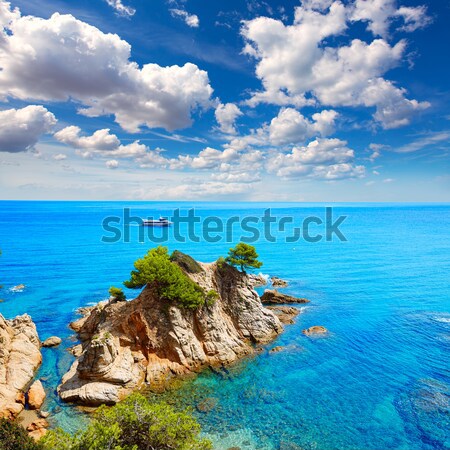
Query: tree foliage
{"type": "Point", "coordinates": [117, 294]}
{"type": "Point", "coordinates": [14, 437]}
{"type": "Point", "coordinates": [171, 283]}
{"type": "Point", "coordinates": [243, 256]}
{"type": "Point", "coordinates": [134, 424]}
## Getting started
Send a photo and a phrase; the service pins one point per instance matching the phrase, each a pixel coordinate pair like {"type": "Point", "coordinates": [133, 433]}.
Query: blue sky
{"type": "Point", "coordinates": [318, 100]}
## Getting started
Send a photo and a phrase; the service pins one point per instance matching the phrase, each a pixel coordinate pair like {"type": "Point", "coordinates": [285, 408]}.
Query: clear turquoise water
{"type": "Point", "coordinates": [381, 380]}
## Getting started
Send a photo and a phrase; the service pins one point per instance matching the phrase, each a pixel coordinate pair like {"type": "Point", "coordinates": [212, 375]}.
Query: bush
{"type": "Point", "coordinates": [14, 437]}
{"type": "Point", "coordinates": [211, 297]}
{"type": "Point", "coordinates": [186, 262]}
{"type": "Point", "coordinates": [134, 424]}
{"type": "Point", "coordinates": [117, 294]}
{"type": "Point", "coordinates": [243, 256]}
{"type": "Point", "coordinates": [171, 283]}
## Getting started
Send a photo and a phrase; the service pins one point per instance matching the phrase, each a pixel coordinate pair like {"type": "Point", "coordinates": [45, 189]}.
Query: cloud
{"type": "Point", "coordinates": [100, 140]}
{"type": "Point", "coordinates": [63, 58]}
{"type": "Point", "coordinates": [226, 115]}
{"type": "Point", "coordinates": [425, 142]}
{"type": "Point", "coordinates": [291, 127]}
{"type": "Point", "coordinates": [121, 9]}
{"type": "Point", "coordinates": [20, 129]}
{"type": "Point", "coordinates": [112, 164]}
{"type": "Point", "coordinates": [376, 151]}
{"type": "Point", "coordinates": [191, 20]}
{"type": "Point", "coordinates": [296, 67]}
{"type": "Point", "coordinates": [381, 14]}
{"type": "Point", "coordinates": [329, 159]}
{"type": "Point", "coordinates": [59, 157]}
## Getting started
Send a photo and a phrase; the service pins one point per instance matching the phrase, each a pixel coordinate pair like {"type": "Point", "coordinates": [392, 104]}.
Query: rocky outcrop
{"type": "Point", "coordinates": [257, 280]}
{"type": "Point", "coordinates": [149, 340]}
{"type": "Point", "coordinates": [286, 314]}
{"type": "Point", "coordinates": [278, 282]}
{"type": "Point", "coordinates": [317, 329]}
{"type": "Point", "coordinates": [20, 356]}
{"type": "Point", "coordinates": [36, 395]}
{"type": "Point", "coordinates": [52, 341]}
{"type": "Point", "coordinates": [275, 297]}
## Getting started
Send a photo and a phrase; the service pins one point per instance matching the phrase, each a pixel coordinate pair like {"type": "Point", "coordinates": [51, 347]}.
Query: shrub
{"type": "Point", "coordinates": [134, 424]}
{"type": "Point", "coordinates": [14, 437]}
{"type": "Point", "coordinates": [211, 297]}
{"type": "Point", "coordinates": [117, 294]}
{"type": "Point", "coordinates": [186, 262]}
{"type": "Point", "coordinates": [243, 256]}
{"type": "Point", "coordinates": [171, 283]}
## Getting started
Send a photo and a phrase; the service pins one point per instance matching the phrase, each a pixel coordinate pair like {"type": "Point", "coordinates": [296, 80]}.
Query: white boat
{"type": "Point", "coordinates": [161, 222]}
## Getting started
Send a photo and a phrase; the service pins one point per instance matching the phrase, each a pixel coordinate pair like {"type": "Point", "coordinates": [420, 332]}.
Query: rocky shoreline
{"type": "Point", "coordinates": [126, 345]}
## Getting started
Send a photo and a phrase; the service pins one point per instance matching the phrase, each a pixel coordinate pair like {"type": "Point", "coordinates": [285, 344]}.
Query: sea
{"type": "Point", "coordinates": [377, 276]}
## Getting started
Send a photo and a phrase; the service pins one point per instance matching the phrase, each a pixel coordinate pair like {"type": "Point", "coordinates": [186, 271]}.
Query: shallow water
{"type": "Point", "coordinates": [381, 379]}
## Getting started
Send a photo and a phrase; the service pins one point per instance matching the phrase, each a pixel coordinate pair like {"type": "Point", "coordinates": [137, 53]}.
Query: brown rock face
{"type": "Point", "coordinates": [52, 341]}
{"type": "Point", "coordinates": [274, 297]}
{"type": "Point", "coordinates": [149, 340]}
{"type": "Point", "coordinates": [286, 314]}
{"type": "Point", "coordinates": [36, 395]}
{"type": "Point", "coordinates": [20, 356]}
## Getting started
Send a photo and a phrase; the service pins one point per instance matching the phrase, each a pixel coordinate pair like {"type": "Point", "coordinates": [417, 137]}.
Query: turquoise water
{"type": "Point", "coordinates": [380, 380]}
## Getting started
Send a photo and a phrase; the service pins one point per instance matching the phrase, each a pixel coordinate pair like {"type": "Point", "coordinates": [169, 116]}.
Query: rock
{"type": "Point", "coordinates": [257, 280]}
{"type": "Point", "coordinates": [286, 314]}
{"type": "Point", "coordinates": [44, 414]}
{"type": "Point", "coordinates": [20, 356]}
{"type": "Point", "coordinates": [36, 395]}
{"type": "Point", "coordinates": [38, 429]}
{"type": "Point", "coordinates": [274, 297]}
{"type": "Point", "coordinates": [317, 329]}
{"type": "Point", "coordinates": [52, 341]}
{"type": "Point", "coordinates": [18, 288]}
{"type": "Point", "coordinates": [207, 405]}
{"type": "Point", "coordinates": [278, 282]}
{"type": "Point", "coordinates": [147, 340]}
{"type": "Point", "coordinates": [277, 349]}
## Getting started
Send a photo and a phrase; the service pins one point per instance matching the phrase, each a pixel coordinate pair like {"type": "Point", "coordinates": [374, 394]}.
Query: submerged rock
{"type": "Point", "coordinates": [317, 329]}
{"type": "Point", "coordinates": [20, 356]}
{"type": "Point", "coordinates": [273, 297]}
{"type": "Point", "coordinates": [150, 340]}
{"type": "Point", "coordinates": [52, 341]}
{"type": "Point", "coordinates": [18, 288]}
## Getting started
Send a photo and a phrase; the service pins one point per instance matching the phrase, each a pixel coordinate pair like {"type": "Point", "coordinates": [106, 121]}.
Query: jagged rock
{"type": "Point", "coordinates": [44, 414]}
{"type": "Point", "coordinates": [286, 314]}
{"type": "Point", "coordinates": [20, 356]}
{"type": "Point", "coordinates": [317, 329]}
{"type": "Point", "coordinates": [52, 341]}
{"type": "Point", "coordinates": [277, 349]}
{"type": "Point", "coordinates": [36, 395]}
{"type": "Point", "coordinates": [149, 340]}
{"type": "Point", "coordinates": [273, 296]}
{"type": "Point", "coordinates": [257, 280]}
{"type": "Point", "coordinates": [278, 282]}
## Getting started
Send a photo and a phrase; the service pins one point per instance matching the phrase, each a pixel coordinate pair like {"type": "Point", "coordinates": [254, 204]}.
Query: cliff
{"type": "Point", "coordinates": [20, 356]}
{"type": "Point", "coordinates": [147, 340]}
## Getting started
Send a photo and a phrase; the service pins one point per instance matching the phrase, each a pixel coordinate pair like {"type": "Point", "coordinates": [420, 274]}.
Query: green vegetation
{"type": "Point", "coordinates": [169, 280]}
{"type": "Point", "coordinates": [14, 437]}
{"type": "Point", "coordinates": [211, 297]}
{"type": "Point", "coordinates": [243, 256]}
{"type": "Point", "coordinates": [117, 294]}
{"type": "Point", "coordinates": [186, 262]}
{"type": "Point", "coordinates": [134, 424]}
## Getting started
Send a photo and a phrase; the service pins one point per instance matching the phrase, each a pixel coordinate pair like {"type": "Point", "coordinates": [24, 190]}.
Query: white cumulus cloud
{"type": "Point", "coordinates": [63, 58]}
{"type": "Point", "coordinates": [226, 115]}
{"type": "Point", "coordinates": [120, 8]}
{"type": "Point", "coordinates": [296, 67]}
{"type": "Point", "coordinates": [20, 129]}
